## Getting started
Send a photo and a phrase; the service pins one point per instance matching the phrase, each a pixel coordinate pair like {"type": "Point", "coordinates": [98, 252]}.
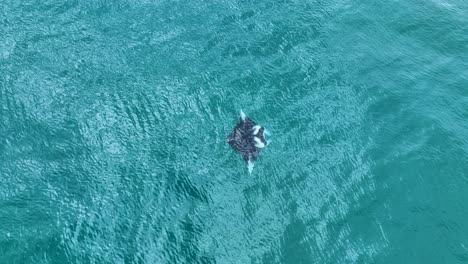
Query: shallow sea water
{"type": "Point", "coordinates": [113, 118]}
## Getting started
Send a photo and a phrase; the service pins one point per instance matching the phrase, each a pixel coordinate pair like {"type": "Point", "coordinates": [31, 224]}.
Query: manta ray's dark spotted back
{"type": "Point", "coordinates": [247, 138]}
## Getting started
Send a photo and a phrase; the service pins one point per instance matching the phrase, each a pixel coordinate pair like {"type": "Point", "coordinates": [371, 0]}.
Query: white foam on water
{"type": "Point", "coordinates": [267, 133]}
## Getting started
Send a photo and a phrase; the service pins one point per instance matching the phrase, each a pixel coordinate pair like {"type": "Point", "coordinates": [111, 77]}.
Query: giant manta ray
{"type": "Point", "coordinates": [247, 139]}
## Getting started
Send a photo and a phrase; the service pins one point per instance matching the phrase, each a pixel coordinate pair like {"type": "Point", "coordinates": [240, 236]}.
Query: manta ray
{"type": "Point", "coordinates": [247, 139]}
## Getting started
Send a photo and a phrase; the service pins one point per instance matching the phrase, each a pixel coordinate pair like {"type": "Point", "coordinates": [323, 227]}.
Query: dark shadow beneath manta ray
{"type": "Point", "coordinates": [247, 139]}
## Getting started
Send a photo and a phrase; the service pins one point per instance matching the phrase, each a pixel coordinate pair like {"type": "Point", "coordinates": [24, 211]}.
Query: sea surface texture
{"type": "Point", "coordinates": [114, 115]}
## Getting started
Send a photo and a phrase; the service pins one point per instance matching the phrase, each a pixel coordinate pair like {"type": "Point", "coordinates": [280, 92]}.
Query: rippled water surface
{"type": "Point", "coordinates": [113, 118]}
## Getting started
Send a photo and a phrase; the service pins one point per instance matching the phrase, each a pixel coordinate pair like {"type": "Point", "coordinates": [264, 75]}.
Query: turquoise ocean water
{"type": "Point", "coordinates": [114, 113]}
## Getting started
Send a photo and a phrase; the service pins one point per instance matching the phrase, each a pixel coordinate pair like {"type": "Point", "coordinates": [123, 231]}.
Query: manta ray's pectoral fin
{"type": "Point", "coordinates": [254, 154]}
{"type": "Point", "coordinates": [230, 137]}
{"type": "Point", "coordinates": [245, 156]}
{"type": "Point", "coordinates": [250, 165]}
{"type": "Point", "coordinates": [242, 115]}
